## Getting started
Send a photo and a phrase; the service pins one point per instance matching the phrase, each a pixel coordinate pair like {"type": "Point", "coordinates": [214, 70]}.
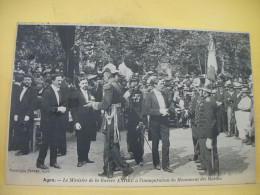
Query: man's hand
{"type": "Point", "coordinates": [127, 95]}
{"type": "Point", "coordinates": [209, 144]}
{"type": "Point", "coordinates": [15, 118]}
{"type": "Point", "coordinates": [78, 126]}
{"type": "Point", "coordinates": [89, 104]}
{"type": "Point", "coordinates": [164, 112]}
{"type": "Point", "coordinates": [26, 118]}
{"type": "Point", "coordinates": [62, 109]}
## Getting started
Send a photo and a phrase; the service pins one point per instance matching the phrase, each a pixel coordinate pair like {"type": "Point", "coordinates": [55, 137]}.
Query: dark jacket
{"type": "Point", "coordinates": [51, 120]}
{"type": "Point", "coordinates": [152, 108]}
{"type": "Point", "coordinates": [27, 105]}
{"type": "Point", "coordinates": [207, 119]}
{"type": "Point", "coordinates": [83, 115]}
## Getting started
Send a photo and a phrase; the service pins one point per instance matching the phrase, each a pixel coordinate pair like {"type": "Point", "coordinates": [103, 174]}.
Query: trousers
{"type": "Point", "coordinates": [160, 130]}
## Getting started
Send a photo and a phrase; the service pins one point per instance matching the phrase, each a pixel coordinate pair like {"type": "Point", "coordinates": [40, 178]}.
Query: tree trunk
{"type": "Point", "coordinates": [67, 38]}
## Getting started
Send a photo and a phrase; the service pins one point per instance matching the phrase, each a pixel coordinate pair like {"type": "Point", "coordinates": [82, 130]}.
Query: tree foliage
{"type": "Point", "coordinates": [141, 49]}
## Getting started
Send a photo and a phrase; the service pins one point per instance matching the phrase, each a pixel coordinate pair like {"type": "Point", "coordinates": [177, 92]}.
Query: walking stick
{"type": "Point", "coordinates": [146, 141]}
{"type": "Point", "coordinates": [212, 159]}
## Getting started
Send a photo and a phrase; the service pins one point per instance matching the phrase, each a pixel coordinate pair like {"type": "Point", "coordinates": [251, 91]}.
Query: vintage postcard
{"type": "Point", "coordinates": [103, 105]}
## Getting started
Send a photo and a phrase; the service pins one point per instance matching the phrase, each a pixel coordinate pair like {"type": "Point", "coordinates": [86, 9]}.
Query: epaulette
{"type": "Point", "coordinates": [207, 99]}
{"type": "Point", "coordinates": [107, 86]}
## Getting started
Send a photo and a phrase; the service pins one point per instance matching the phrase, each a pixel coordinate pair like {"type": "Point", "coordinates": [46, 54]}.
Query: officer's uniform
{"type": "Point", "coordinates": [135, 136]}
{"type": "Point", "coordinates": [111, 126]}
{"type": "Point", "coordinates": [208, 130]}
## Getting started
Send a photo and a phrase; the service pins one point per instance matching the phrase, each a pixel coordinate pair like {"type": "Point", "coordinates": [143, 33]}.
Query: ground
{"type": "Point", "coordinates": [237, 164]}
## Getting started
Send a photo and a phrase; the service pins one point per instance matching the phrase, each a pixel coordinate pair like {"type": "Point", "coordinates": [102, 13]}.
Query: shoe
{"type": "Point", "coordinates": [105, 174]}
{"type": "Point", "coordinates": [55, 165]}
{"type": "Point", "coordinates": [229, 136]}
{"type": "Point", "coordinates": [61, 154]}
{"type": "Point", "coordinates": [116, 169]}
{"type": "Point", "coordinates": [128, 172]}
{"type": "Point", "coordinates": [193, 159]}
{"type": "Point", "coordinates": [200, 168]}
{"type": "Point", "coordinates": [202, 173]}
{"type": "Point", "coordinates": [168, 169]}
{"type": "Point", "coordinates": [129, 157]}
{"type": "Point", "coordinates": [141, 164]}
{"type": "Point", "coordinates": [19, 153]}
{"type": "Point", "coordinates": [80, 164]}
{"type": "Point", "coordinates": [197, 161]}
{"type": "Point", "coordinates": [157, 167]}
{"type": "Point", "coordinates": [89, 161]}
{"type": "Point", "coordinates": [41, 166]}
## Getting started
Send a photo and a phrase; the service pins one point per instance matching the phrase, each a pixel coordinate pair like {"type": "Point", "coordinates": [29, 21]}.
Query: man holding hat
{"type": "Point", "coordinates": [112, 122]}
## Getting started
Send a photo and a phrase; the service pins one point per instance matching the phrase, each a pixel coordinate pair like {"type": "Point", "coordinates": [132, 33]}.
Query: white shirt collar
{"type": "Point", "coordinates": [55, 88]}
{"type": "Point", "coordinates": [156, 91]}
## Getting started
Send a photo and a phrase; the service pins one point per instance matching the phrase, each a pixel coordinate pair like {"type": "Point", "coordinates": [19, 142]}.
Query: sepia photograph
{"type": "Point", "coordinates": [108, 105]}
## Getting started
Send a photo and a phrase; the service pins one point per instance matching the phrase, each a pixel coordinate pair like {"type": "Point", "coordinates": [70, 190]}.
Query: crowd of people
{"type": "Point", "coordinates": [107, 103]}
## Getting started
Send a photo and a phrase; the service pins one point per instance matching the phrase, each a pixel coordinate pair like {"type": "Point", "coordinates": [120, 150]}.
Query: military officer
{"type": "Point", "coordinates": [112, 122]}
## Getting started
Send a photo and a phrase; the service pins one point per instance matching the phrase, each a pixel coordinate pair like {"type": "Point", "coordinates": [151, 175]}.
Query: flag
{"type": "Point", "coordinates": [212, 67]}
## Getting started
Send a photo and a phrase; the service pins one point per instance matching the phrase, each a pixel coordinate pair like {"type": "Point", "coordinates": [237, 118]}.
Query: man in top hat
{"type": "Point", "coordinates": [113, 122]}
{"type": "Point", "coordinates": [244, 108]}
{"type": "Point", "coordinates": [158, 107]}
{"type": "Point", "coordinates": [24, 105]}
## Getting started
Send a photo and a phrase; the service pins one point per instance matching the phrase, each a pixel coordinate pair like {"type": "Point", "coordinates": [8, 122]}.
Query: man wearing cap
{"type": "Point", "coordinates": [135, 126]}
{"type": "Point", "coordinates": [221, 113]}
{"type": "Point", "coordinates": [24, 105]}
{"type": "Point", "coordinates": [243, 113]}
{"type": "Point", "coordinates": [184, 105]}
{"type": "Point", "coordinates": [112, 122]}
{"type": "Point", "coordinates": [84, 120]}
{"type": "Point", "coordinates": [208, 133]}
{"type": "Point", "coordinates": [157, 106]}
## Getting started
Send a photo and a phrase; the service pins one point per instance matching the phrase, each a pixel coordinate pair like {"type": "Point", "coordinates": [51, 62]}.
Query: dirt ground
{"type": "Point", "coordinates": [237, 163]}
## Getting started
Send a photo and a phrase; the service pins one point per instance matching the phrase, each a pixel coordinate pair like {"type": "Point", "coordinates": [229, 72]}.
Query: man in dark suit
{"type": "Point", "coordinates": [23, 114]}
{"type": "Point", "coordinates": [84, 120]}
{"type": "Point", "coordinates": [192, 110]}
{"type": "Point", "coordinates": [208, 133]}
{"type": "Point", "coordinates": [221, 112]}
{"type": "Point", "coordinates": [230, 97]}
{"type": "Point", "coordinates": [54, 119]}
{"type": "Point", "coordinates": [157, 106]}
{"type": "Point", "coordinates": [16, 91]}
